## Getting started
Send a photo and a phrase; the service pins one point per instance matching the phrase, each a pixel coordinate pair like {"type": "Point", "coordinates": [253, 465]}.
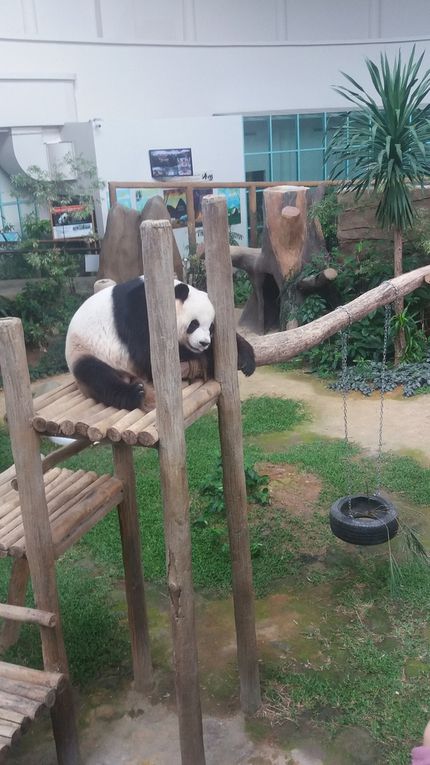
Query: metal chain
{"type": "Point", "coordinates": [381, 410]}
{"type": "Point", "coordinates": [344, 340]}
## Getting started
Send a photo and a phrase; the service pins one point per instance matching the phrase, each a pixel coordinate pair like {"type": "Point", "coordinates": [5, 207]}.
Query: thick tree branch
{"type": "Point", "coordinates": [282, 346]}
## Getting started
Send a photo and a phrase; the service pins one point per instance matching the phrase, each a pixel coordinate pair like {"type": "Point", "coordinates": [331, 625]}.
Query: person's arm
{"type": "Point", "coordinates": [421, 754]}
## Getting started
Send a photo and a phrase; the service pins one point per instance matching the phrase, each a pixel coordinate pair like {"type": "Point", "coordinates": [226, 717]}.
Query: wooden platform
{"type": "Point", "coordinates": [24, 694]}
{"type": "Point", "coordinates": [76, 501]}
{"type": "Point", "coordinates": [65, 411]}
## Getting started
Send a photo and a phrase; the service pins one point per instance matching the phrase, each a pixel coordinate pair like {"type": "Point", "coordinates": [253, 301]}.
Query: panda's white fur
{"type": "Point", "coordinates": [108, 343]}
{"type": "Point", "coordinates": [92, 329]}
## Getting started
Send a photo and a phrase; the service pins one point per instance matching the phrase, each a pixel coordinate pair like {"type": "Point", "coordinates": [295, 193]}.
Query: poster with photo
{"type": "Point", "coordinates": [233, 205]}
{"type": "Point", "coordinates": [170, 163]}
{"type": "Point", "coordinates": [176, 203]}
{"type": "Point", "coordinates": [134, 199]}
{"type": "Point", "coordinates": [72, 221]}
{"type": "Point", "coordinates": [198, 195]}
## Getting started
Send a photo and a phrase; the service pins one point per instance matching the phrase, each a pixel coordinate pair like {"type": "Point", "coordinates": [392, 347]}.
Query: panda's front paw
{"type": "Point", "coordinates": [245, 356]}
{"type": "Point", "coordinates": [248, 367]}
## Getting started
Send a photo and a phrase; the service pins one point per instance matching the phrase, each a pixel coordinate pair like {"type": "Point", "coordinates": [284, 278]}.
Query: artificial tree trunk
{"type": "Point", "coordinates": [291, 237]}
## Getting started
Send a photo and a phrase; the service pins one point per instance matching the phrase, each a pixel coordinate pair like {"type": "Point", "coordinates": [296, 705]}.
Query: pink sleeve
{"type": "Point", "coordinates": [421, 755]}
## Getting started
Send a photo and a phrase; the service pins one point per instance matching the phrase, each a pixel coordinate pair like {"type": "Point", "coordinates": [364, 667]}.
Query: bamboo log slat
{"type": "Point", "coordinates": [24, 693]}
{"type": "Point", "coordinates": [193, 407]}
{"type": "Point", "coordinates": [30, 675]}
{"type": "Point", "coordinates": [31, 709]}
{"type": "Point", "coordinates": [115, 431]}
{"type": "Point", "coordinates": [98, 430]}
{"type": "Point", "coordinates": [28, 615]}
{"type": "Point", "coordinates": [46, 398]}
{"type": "Point", "coordinates": [67, 425]}
{"type": "Point", "coordinates": [80, 501]}
{"type": "Point", "coordinates": [10, 731]}
{"type": "Point", "coordinates": [29, 691]}
{"type": "Point", "coordinates": [15, 717]}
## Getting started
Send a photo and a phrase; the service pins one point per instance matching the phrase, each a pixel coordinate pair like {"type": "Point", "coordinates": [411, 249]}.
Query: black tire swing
{"type": "Point", "coordinates": [364, 519]}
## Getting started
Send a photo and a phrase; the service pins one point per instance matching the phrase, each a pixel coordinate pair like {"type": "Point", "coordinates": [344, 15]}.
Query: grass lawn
{"type": "Point", "coordinates": [360, 654]}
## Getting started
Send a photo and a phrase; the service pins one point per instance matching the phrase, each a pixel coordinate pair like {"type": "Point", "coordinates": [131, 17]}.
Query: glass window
{"type": "Point", "coordinates": [284, 166]}
{"type": "Point", "coordinates": [290, 147]}
{"type": "Point", "coordinates": [257, 134]}
{"type": "Point", "coordinates": [311, 131]}
{"type": "Point", "coordinates": [284, 133]}
{"type": "Point", "coordinates": [257, 167]}
{"type": "Point", "coordinates": [312, 165]}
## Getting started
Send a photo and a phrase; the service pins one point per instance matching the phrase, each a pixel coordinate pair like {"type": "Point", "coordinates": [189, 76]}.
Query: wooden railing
{"type": "Point", "coordinates": [189, 186]}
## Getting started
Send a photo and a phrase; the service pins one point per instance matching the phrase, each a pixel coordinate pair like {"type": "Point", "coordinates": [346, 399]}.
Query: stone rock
{"type": "Point", "coordinates": [121, 248]}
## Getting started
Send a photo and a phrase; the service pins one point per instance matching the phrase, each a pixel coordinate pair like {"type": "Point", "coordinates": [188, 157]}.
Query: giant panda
{"type": "Point", "coordinates": [108, 344]}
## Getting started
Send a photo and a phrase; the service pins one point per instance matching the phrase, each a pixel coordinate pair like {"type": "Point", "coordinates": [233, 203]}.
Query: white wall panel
{"type": "Point", "coordinates": [407, 19]}
{"type": "Point", "coordinates": [238, 21]}
{"type": "Point", "coordinates": [11, 20]}
{"type": "Point", "coordinates": [63, 20]}
{"type": "Point", "coordinates": [118, 22]}
{"type": "Point", "coordinates": [333, 20]}
{"type": "Point", "coordinates": [162, 20]}
{"type": "Point", "coordinates": [36, 102]}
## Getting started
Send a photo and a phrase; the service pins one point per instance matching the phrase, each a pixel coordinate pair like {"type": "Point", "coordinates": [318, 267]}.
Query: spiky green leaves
{"type": "Point", "coordinates": [386, 141]}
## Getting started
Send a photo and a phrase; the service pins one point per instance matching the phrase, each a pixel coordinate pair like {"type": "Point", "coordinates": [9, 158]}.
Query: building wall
{"type": "Point", "coordinates": [183, 72]}
{"type": "Point", "coordinates": [220, 21]}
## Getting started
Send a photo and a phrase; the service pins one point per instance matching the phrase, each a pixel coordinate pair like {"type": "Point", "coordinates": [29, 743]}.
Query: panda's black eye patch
{"type": "Point", "coordinates": [193, 325]}
{"type": "Point", "coordinates": [211, 329]}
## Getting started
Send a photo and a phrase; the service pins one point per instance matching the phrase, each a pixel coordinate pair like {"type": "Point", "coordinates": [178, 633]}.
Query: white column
{"type": "Point", "coordinates": [282, 20]}
{"type": "Point", "coordinates": [374, 19]}
{"type": "Point", "coordinates": [29, 17]}
{"type": "Point", "coordinates": [189, 20]}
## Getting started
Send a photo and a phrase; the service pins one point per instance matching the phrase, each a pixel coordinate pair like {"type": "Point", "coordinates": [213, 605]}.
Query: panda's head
{"type": "Point", "coordinates": [195, 316]}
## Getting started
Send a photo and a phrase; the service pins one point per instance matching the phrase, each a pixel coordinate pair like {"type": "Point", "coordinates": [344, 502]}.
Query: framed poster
{"type": "Point", "coordinates": [170, 163]}
{"type": "Point", "coordinates": [176, 203]}
{"type": "Point", "coordinates": [198, 195]}
{"type": "Point", "coordinates": [72, 221]}
{"type": "Point", "coordinates": [135, 199]}
{"type": "Point", "coordinates": [233, 205]}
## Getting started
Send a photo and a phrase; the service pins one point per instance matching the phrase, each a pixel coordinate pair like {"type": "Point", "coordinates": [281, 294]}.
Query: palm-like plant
{"type": "Point", "coordinates": [387, 145]}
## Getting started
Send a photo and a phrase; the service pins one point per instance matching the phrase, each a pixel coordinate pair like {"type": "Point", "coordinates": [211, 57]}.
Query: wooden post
{"type": "Point", "coordinates": [191, 220]}
{"type": "Point", "coordinates": [253, 230]}
{"type": "Point", "coordinates": [220, 288]}
{"type": "Point", "coordinates": [158, 266]}
{"type": "Point", "coordinates": [134, 585]}
{"type": "Point", "coordinates": [39, 547]}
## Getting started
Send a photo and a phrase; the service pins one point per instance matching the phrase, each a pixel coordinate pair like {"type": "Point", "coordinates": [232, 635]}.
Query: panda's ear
{"type": "Point", "coordinates": [181, 291]}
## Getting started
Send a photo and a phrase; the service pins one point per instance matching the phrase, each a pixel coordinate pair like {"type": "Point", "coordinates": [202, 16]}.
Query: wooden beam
{"type": "Point", "coordinates": [28, 615]}
{"type": "Point", "coordinates": [158, 267]}
{"type": "Point", "coordinates": [220, 288]}
{"type": "Point", "coordinates": [282, 346]}
{"type": "Point", "coordinates": [134, 584]}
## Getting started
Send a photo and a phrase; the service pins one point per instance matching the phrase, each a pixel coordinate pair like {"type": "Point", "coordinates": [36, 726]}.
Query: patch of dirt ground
{"type": "Point", "coordinates": [291, 489]}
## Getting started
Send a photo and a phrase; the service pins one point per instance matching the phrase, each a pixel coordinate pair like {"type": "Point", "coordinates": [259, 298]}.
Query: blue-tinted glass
{"type": "Point", "coordinates": [284, 133]}
{"type": "Point", "coordinates": [311, 165]}
{"type": "Point", "coordinates": [285, 166]}
{"type": "Point", "coordinates": [256, 134]}
{"type": "Point", "coordinates": [257, 167]}
{"type": "Point", "coordinates": [311, 130]}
